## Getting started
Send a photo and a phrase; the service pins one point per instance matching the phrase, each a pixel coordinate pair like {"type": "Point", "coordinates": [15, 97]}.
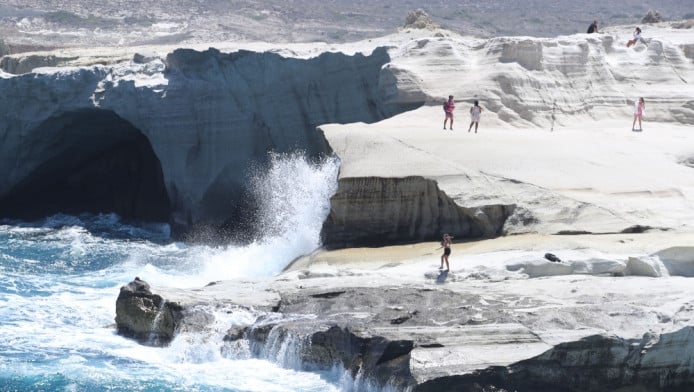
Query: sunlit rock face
{"type": "Point", "coordinates": [173, 140]}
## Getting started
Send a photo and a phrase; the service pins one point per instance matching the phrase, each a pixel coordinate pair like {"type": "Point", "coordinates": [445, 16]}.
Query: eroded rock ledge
{"type": "Point", "coordinates": [420, 338]}
{"type": "Point", "coordinates": [205, 121]}
{"type": "Point", "coordinates": [376, 211]}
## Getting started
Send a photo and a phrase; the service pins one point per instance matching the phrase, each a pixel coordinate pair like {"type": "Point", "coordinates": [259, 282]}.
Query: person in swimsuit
{"type": "Point", "coordinates": [475, 112]}
{"type": "Point", "coordinates": [639, 109]}
{"type": "Point", "coordinates": [446, 244]}
{"type": "Point", "coordinates": [448, 107]}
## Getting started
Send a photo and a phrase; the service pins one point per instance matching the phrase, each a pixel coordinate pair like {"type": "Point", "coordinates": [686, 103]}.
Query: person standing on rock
{"type": "Point", "coordinates": [639, 110]}
{"type": "Point", "coordinates": [593, 28]}
{"type": "Point", "coordinates": [637, 37]}
{"type": "Point", "coordinates": [475, 113]}
{"type": "Point", "coordinates": [448, 107]}
{"type": "Point", "coordinates": [446, 244]}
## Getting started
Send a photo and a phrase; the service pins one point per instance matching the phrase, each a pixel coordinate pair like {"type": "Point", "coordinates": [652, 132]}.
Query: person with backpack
{"type": "Point", "coordinates": [448, 107]}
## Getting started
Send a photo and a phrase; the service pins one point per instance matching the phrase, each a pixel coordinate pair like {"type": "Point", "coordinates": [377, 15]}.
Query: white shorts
{"type": "Point", "coordinates": [475, 117]}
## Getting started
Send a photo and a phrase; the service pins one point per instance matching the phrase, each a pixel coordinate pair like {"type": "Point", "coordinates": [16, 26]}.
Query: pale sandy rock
{"type": "Point", "coordinates": [577, 179]}
{"type": "Point", "coordinates": [562, 182]}
{"type": "Point", "coordinates": [646, 266]}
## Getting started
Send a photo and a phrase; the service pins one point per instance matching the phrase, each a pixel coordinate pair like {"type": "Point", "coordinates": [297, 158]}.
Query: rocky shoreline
{"type": "Point", "coordinates": [554, 157]}
{"type": "Point", "coordinates": [407, 326]}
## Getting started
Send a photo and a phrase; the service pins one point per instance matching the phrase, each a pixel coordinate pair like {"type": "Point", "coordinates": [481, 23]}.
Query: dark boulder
{"type": "Point", "coordinates": [144, 316]}
{"type": "Point", "coordinates": [652, 16]}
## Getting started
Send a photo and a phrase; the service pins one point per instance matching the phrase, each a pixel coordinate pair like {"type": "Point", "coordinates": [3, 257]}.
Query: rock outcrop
{"type": "Point", "coordinates": [419, 19]}
{"type": "Point", "coordinates": [652, 16]}
{"type": "Point", "coordinates": [25, 64]}
{"type": "Point", "coordinates": [208, 118]}
{"type": "Point", "coordinates": [144, 316]}
{"type": "Point", "coordinates": [592, 364]}
{"type": "Point", "coordinates": [442, 338]}
{"type": "Point", "coordinates": [377, 211]}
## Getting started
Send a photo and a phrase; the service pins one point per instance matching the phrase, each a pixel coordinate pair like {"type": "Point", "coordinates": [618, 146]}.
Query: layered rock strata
{"type": "Point", "coordinates": [209, 117]}
{"type": "Point", "coordinates": [373, 211]}
{"type": "Point", "coordinates": [423, 337]}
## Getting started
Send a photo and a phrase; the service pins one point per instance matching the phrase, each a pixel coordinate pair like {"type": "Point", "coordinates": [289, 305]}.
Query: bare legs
{"type": "Point", "coordinates": [476, 125]}
{"type": "Point", "coordinates": [633, 125]}
{"type": "Point", "coordinates": [444, 257]}
{"type": "Point", "coordinates": [444, 122]}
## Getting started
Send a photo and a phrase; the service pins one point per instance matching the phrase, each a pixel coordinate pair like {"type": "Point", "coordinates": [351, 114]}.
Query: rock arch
{"type": "Point", "coordinates": [87, 160]}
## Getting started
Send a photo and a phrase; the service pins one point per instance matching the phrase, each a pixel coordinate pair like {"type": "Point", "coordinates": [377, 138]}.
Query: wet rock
{"type": "Point", "coordinates": [144, 316]}
{"type": "Point", "coordinates": [445, 340]}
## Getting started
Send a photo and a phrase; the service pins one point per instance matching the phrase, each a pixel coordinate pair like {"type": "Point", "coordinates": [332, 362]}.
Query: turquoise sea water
{"type": "Point", "coordinates": [60, 277]}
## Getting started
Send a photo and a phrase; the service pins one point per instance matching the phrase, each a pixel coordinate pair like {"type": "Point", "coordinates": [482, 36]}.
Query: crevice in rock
{"type": "Point", "coordinates": [431, 345]}
{"type": "Point", "coordinates": [331, 294]}
{"type": "Point", "coordinates": [573, 232]}
{"type": "Point", "coordinates": [689, 162]}
{"type": "Point", "coordinates": [636, 229]}
{"type": "Point", "coordinates": [98, 163]}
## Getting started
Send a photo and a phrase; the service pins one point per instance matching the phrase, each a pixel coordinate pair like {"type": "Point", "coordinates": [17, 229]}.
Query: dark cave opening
{"type": "Point", "coordinates": [90, 161]}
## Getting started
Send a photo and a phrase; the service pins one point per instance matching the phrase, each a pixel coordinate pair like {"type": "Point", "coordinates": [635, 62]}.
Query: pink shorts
{"type": "Point", "coordinates": [449, 115]}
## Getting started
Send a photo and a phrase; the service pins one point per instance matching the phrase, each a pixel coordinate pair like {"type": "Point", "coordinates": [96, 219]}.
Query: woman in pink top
{"type": "Point", "coordinates": [639, 109]}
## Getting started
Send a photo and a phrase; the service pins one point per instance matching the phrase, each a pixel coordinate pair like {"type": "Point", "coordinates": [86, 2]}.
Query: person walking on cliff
{"type": "Point", "coordinates": [637, 37]}
{"type": "Point", "coordinates": [639, 110]}
{"type": "Point", "coordinates": [448, 107]}
{"type": "Point", "coordinates": [446, 244]}
{"type": "Point", "coordinates": [475, 113]}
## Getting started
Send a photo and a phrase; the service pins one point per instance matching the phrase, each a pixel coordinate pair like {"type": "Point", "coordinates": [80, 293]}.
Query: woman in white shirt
{"type": "Point", "coordinates": [475, 113]}
{"type": "Point", "coordinates": [637, 37]}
